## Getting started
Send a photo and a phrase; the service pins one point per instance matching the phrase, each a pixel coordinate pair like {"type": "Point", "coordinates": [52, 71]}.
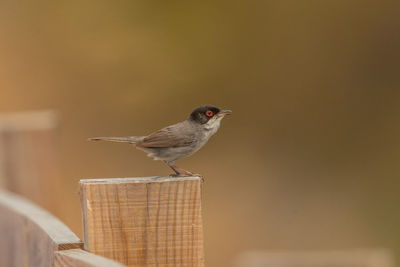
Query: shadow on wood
{"type": "Point", "coordinates": [152, 221]}
{"type": "Point", "coordinates": [344, 258]}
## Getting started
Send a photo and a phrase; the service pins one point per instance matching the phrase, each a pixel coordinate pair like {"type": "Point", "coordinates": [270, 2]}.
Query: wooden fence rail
{"type": "Point", "coordinates": [81, 258]}
{"type": "Point", "coordinates": [153, 221]}
{"type": "Point", "coordinates": [332, 258]}
{"type": "Point", "coordinates": [30, 236]}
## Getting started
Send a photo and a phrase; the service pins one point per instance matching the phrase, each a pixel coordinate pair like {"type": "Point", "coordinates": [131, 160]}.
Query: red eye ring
{"type": "Point", "coordinates": [209, 113]}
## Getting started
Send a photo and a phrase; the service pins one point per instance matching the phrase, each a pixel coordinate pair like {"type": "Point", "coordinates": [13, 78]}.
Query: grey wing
{"type": "Point", "coordinates": [171, 136]}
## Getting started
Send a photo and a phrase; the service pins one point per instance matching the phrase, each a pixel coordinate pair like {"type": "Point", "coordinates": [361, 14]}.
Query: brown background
{"type": "Point", "coordinates": [310, 158]}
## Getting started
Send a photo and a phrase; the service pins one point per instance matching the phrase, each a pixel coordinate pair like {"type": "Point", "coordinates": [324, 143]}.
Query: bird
{"type": "Point", "coordinates": [178, 140]}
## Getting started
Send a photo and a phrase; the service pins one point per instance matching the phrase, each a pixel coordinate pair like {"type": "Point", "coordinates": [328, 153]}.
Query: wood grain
{"type": "Point", "coordinates": [153, 221]}
{"type": "Point", "coordinates": [344, 258]}
{"type": "Point", "coordinates": [29, 234]}
{"type": "Point", "coordinates": [28, 157]}
{"type": "Point", "coordinates": [81, 258]}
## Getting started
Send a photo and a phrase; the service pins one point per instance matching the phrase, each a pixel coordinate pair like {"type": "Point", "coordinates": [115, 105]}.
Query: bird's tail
{"type": "Point", "coordinates": [129, 139]}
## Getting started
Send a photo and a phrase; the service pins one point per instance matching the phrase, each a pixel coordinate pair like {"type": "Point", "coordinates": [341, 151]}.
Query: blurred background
{"type": "Point", "coordinates": [308, 160]}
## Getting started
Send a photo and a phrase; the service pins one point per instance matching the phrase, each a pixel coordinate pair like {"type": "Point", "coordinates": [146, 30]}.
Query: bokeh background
{"type": "Point", "coordinates": [310, 157]}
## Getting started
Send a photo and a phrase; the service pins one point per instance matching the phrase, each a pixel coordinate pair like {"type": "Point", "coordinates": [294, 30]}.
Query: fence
{"type": "Point", "coordinates": [153, 221]}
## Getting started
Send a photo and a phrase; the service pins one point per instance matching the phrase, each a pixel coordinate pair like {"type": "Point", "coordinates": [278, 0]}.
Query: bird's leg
{"type": "Point", "coordinates": [182, 170]}
{"type": "Point", "coordinates": [177, 170]}
{"type": "Point", "coordinates": [173, 168]}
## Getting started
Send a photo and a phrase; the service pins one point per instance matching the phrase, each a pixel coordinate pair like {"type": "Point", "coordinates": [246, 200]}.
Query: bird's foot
{"type": "Point", "coordinates": [188, 175]}
{"type": "Point", "coordinates": [183, 174]}
{"type": "Point", "coordinates": [177, 175]}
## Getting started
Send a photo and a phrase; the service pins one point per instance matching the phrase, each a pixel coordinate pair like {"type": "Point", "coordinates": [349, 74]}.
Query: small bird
{"type": "Point", "coordinates": [179, 140]}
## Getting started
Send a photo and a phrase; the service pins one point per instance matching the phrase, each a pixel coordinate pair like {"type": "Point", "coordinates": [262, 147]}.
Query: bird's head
{"type": "Point", "coordinates": [208, 115]}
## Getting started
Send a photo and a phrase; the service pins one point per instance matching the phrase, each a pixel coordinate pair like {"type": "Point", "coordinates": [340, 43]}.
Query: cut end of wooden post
{"type": "Point", "coordinates": [152, 179]}
{"type": "Point", "coordinates": [29, 120]}
{"type": "Point", "coordinates": [147, 221]}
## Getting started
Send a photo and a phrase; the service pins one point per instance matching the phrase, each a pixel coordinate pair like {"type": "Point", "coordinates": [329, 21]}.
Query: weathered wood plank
{"type": "Point", "coordinates": [152, 221]}
{"type": "Point", "coordinates": [81, 258]}
{"type": "Point", "coordinates": [345, 258]}
{"type": "Point", "coordinates": [29, 234]}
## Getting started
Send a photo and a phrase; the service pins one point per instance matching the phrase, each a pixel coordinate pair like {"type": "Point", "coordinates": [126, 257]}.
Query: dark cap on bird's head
{"type": "Point", "coordinates": [204, 113]}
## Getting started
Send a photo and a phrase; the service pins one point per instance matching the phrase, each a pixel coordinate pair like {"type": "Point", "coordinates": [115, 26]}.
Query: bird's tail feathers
{"type": "Point", "coordinates": [129, 139]}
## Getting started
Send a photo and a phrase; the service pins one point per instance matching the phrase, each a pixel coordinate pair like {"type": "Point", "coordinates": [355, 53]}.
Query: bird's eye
{"type": "Point", "coordinates": [209, 113]}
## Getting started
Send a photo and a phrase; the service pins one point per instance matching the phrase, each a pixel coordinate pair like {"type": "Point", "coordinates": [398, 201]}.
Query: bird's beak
{"type": "Point", "coordinates": [225, 112]}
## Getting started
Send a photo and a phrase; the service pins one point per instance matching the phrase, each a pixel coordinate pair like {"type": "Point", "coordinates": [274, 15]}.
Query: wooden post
{"type": "Point", "coordinates": [153, 221]}
{"type": "Point", "coordinates": [28, 157]}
